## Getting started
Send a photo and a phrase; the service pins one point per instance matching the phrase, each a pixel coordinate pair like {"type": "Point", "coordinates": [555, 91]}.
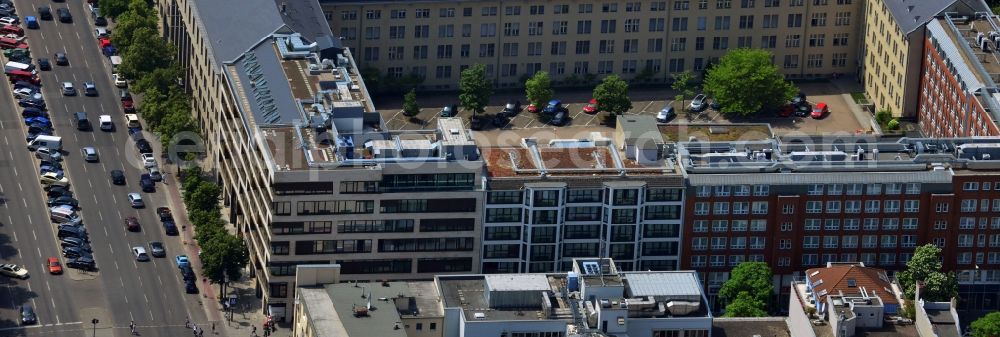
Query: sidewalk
{"type": "Point", "coordinates": [247, 313]}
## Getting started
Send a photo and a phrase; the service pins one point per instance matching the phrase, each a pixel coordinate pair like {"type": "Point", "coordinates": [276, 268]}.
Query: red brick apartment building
{"type": "Point", "coordinates": [961, 64]}
{"type": "Point", "coordinates": [798, 205]}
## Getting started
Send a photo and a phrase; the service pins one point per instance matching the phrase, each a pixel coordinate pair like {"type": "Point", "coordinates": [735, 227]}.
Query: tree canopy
{"type": "Point", "coordinates": [612, 95]}
{"type": "Point", "coordinates": [410, 107]}
{"type": "Point", "coordinates": [475, 89]}
{"type": "Point", "coordinates": [150, 53]}
{"type": "Point", "coordinates": [745, 305]}
{"type": "Point", "coordinates": [925, 266]}
{"type": "Point", "coordinates": [538, 88]}
{"type": "Point", "coordinates": [224, 256]}
{"type": "Point", "coordinates": [684, 84]}
{"type": "Point", "coordinates": [754, 278]}
{"type": "Point", "coordinates": [745, 82]}
{"type": "Point", "coordinates": [987, 326]}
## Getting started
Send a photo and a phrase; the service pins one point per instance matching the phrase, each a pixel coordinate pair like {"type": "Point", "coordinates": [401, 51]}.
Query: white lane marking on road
{"type": "Point", "coordinates": [25, 201]}
{"type": "Point", "coordinates": [126, 298]}
{"type": "Point", "coordinates": [74, 80]}
{"type": "Point", "coordinates": [39, 249]}
{"type": "Point", "coordinates": [77, 139]}
{"type": "Point", "coordinates": [47, 49]}
{"type": "Point", "coordinates": [151, 315]}
{"type": "Point", "coordinates": [103, 167]}
{"type": "Point", "coordinates": [647, 106]}
{"type": "Point", "coordinates": [129, 313]}
{"type": "Point", "coordinates": [113, 253]}
{"type": "Point", "coordinates": [90, 183]}
{"type": "Point", "coordinates": [78, 35]}
{"type": "Point", "coordinates": [101, 215]}
{"type": "Point", "coordinates": [47, 285]}
{"type": "Point", "coordinates": [119, 212]}
{"type": "Point", "coordinates": [86, 63]}
{"type": "Point", "coordinates": [67, 109]}
{"type": "Point", "coordinates": [29, 218]}
{"type": "Point", "coordinates": [95, 195]}
{"type": "Point", "coordinates": [35, 236]}
{"type": "Point", "coordinates": [159, 279]}
{"type": "Point", "coordinates": [42, 35]}
{"type": "Point", "coordinates": [105, 230]}
{"type": "Point", "coordinates": [19, 188]}
{"type": "Point", "coordinates": [136, 265]}
{"type": "Point", "coordinates": [116, 149]}
{"type": "Point", "coordinates": [60, 35]}
{"type": "Point", "coordinates": [4, 136]}
{"type": "Point", "coordinates": [15, 169]}
{"type": "Point", "coordinates": [146, 297]}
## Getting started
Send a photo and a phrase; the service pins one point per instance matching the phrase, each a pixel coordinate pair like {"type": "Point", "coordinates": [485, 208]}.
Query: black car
{"type": "Point", "coordinates": [44, 13]}
{"type": "Point", "coordinates": [28, 315]}
{"type": "Point", "coordinates": [477, 123]}
{"type": "Point", "coordinates": [43, 64]}
{"type": "Point", "coordinates": [100, 21]}
{"type": "Point", "coordinates": [190, 287]}
{"type": "Point", "coordinates": [25, 84]}
{"type": "Point", "coordinates": [63, 200]}
{"type": "Point", "coordinates": [33, 112]}
{"type": "Point", "coordinates": [187, 273]}
{"type": "Point", "coordinates": [75, 242]}
{"type": "Point", "coordinates": [500, 120]}
{"type": "Point", "coordinates": [170, 228]}
{"type": "Point", "coordinates": [117, 177]}
{"type": "Point", "coordinates": [51, 163]}
{"type": "Point", "coordinates": [449, 111]}
{"type": "Point", "coordinates": [143, 146]}
{"type": "Point", "coordinates": [64, 15]}
{"type": "Point", "coordinates": [559, 119]}
{"type": "Point", "coordinates": [511, 109]}
{"type": "Point", "coordinates": [75, 252]}
{"type": "Point", "coordinates": [58, 191]}
{"type": "Point", "coordinates": [803, 110]}
{"type": "Point", "coordinates": [147, 183]}
{"type": "Point", "coordinates": [85, 263]}
{"type": "Point", "coordinates": [799, 99]}
{"type": "Point", "coordinates": [61, 59]}
{"type": "Point", "coordinates": [32, 103]}
{"type": "Point", "coordinates": [79, 233]}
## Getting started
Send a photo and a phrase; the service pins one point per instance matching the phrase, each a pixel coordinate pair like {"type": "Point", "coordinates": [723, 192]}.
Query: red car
{"type": "Point", "coordinates": [128, 106]}
{"type": "Point", "coordinates": [786, 110]}
{"type": "Point", "coordinates": [132, 224]}
{"type": "Point", "coordinates": [532, 108]}
{"type": "Point", "coordinates": [820, 110]}
{"type": "Point", "coordinates": [591, 107]}
{"type": "Point", "coordinates": [54, 266]}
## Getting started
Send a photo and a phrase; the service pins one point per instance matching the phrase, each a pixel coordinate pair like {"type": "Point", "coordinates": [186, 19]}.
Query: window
{"type": "Point", "coordinates": [492, 11]}
{"type": "Point", "coordinates": [722, 23]}
{"type": "Point", "coordinates": [760, 207]}
{"type": "Point", "coordinates": [794, 20]}
{"type": "Point", "coordinates": [814, 206]}
{"type": "Point", "coordinates": [608, 26]}
{"type": "Point", "coordinates": [722, 4]}
{"type": "Point", "coordinates": [852, 206]}
{"type": "Point", "coordinates": [831, 224]}
{"type": "Point", "coordinates": [560, 27]}
{"type": "Point", "coordinates": [849, 241]}
{"type": "Point", "coordinates": [968, 205]}
{"type": "Point", "coordinates": [831, 241]}
{"type": "Point", "coordinates": [810, 259]}
{"type": "Point", "coordinates": [583, 27]}
{"type": "Point", "coordinates": [720, 226]}
{"type": "Point", "coordinates": [332, 247]}
{"type": "Point", "coordinates": [815, 189]}
{"type": "Point", "coordinates": [700, 226]}
{"type": "Point", "coordinates": [699, 244]}
{"type": "Point", "coordinates": [872, 206]}
{"type": "Point", "coordinates": [792, 41]}
{"type": "Point", "coordinates": [891, 206]}
{"type": "Point", "coordinates": [833, 206]}
{"type": "Point", "coordinates": [663, 212]}
{"type": "Point", "coordinates": [811, 224]}
{"type": "Point", "coordinates": [852, 224]}
{"type": "Point", "coordinates": [758, 225]}
{"type": "Point", "coordinates": [890, 224]}
{"type": "Point", "coordinates": [761, 190]}
{"type": "Point", "coordinates": [817, 40]}
{"type": "Point", "coordinates": [854, 189]}
{"type": "Point", "coordinates": [785, 244]}
{"type": "Point", "coordinates": [719, 243]}
{"type": "Point", "coordinates": [720, 208]}
{"type": "Point", "coordinates": [699, 261]}
{"type": "Point", "coordinates": [913, 188]}
{"type": "Point", "coordinates": [818, 20]}
{"type": "Point", "coordinates": [786, 226]}
{"type": "Point", "coordinates": [677, 24]}
{"type": "Point", "coordinates": [942, 207]}
{"type": "Point", "coordinates": [871, 224]}
{"type": "Point", "coordinates": [746, 21]}
{"type": "Point", "coordinates": [373, 14]}
{"type": "Point", "coordinates": [609, 7]}
{"type": "Point", "coordinates": [843, 19]}
{"type": "Point", "coordinates": [787, 209]}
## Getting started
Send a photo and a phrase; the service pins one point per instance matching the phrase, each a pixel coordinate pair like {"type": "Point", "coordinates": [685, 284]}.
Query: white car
{"type": "Point", "coordinates": [13, 270]}
{"type": "Point", "coordinates": [53, 179]}
{"type": "Point", "coordinates": [120, 80]}
{"type": "Point", "coordinates": [45, 153]}
{"type": "Point", "coordinates": [148, 160]}
{"type": "Point", "coordinates": [106, 123]}
{"type": "Point", "coordinates": [136, 200]}
{"type": "Point", "coordinates": [140, 253]}
{"type": "Point", "coordinates": [8, 21]}
{"type": "Point", "coordinates": [24, 93]}
{"type": "Point", "coordinates": [89, 154]}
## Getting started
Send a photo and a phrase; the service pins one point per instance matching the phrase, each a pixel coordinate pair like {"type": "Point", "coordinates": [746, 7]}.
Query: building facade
{"type": "Point", "coordinates": [579, 41]}
{"type": "Point", "coordinates": [894, 33]}
{"type": "Point", "coordinates": [547, 204]}
{"type": "Point", "coordinates": [958, 91]}
{"type": "Point", "coordinates": [793, 204]}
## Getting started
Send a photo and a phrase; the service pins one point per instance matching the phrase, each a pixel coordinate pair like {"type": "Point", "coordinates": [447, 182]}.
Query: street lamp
{"type": "Point", "coordinates": [94, 322]}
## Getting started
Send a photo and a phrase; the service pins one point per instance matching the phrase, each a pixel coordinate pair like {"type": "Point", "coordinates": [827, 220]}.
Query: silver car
{"type": "Point", "coordinates": [699, 103]}
{"type": "Point", "coordinates": [68, 89]}
{"type": "Point", "coordinates": [89, 154]}
{"type": "Point", "coordinates": [136, 200]}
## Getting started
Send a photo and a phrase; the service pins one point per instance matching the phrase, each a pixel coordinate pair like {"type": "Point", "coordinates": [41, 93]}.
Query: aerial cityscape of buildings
{"type": "Point", "coordinates": [355, 226]}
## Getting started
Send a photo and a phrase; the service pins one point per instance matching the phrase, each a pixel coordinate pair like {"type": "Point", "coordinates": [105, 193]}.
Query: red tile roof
{"type": "Point", "coordinates": [836, 279]}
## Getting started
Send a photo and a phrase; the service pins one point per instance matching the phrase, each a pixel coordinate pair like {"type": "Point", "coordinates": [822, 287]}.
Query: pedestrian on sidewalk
{"type": "Point", "coordinates": [187, 322]}
{"type": "Point", "coordinates": [254, 330]}
{"type": "Point", "coordinates": [213, 328]}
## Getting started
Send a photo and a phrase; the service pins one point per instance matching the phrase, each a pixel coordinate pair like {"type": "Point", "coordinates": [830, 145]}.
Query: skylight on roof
{"type": "Point", "coordinates": [852, 282]}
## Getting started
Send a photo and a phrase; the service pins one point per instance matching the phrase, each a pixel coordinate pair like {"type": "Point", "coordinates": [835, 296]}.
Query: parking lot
{"type": "Point", "coordinates": [646, 101]}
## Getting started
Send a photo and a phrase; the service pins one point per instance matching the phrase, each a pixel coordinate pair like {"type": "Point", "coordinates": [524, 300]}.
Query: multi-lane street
{"type": "Point", "coordinates": [122, 290]}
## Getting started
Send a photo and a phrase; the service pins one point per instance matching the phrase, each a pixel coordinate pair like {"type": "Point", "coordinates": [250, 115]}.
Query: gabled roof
{"type": "Point", "coordinates": [850, 279]}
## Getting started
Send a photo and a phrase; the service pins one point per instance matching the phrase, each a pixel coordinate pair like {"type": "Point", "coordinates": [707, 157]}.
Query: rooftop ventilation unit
{"type": "Point", "coordinates": [591, 268]}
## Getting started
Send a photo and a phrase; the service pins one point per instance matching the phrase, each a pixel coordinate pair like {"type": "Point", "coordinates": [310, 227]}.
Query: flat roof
{"type": "Point", "coordinates": [419, 299]}
{"type": "Point", "coordinates": [663, 284]}
{"type": "Point", "coordinates": [517, 282]}
{"type": "Point", "coordinates": [744, 327]}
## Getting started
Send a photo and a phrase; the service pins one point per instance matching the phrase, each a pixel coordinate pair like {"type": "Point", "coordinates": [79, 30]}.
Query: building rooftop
{"type": "Point", "coordinates": [748, 327]}
{"type": "Point", "coordinates": [960, 39]}
{"type": "Point", "coordinates": [596, 156]}
{"type": "Point", "coordinates": [803, 161]}
{"type": "Point", "coordinates": [851, 279]}
{"type": "Point", "coordinates": [535, 297]}
{"type": "Point", "coordinates": [372, 309]}
{"type": "Point", "coordinates": [913, 14]}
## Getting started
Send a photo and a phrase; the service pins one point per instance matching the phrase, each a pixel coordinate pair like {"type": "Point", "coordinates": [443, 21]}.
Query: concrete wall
{"type": "Point", "coordinates": [319, 274]}
{"type": "Point", "coordinates": [644, 327]}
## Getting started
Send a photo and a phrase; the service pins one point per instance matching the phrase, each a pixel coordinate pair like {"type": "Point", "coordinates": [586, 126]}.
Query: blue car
{"type": "Point", "coordinates": [553, 107]}
{"type": "Point", "coordinates": [38, 120]}
{"type": "Point", "coordinates": [46, 168]}
{"type": "Point", "coordinates": [31, 22]}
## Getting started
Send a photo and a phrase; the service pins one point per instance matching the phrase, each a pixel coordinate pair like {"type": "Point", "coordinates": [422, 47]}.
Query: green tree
{"type": "Point", "coordinates": [224, 257]}
{"type": "Point", "coordinates": [410, 107]}
{"type": "Point", "coordinates": [883, 116]}
{"type": "Point", "coordinates": [192, 177]}
{"type": "Point", "coordinates": [684, 84]}
{"type": "Point", "coordinates": [204, 197]}
{"type": "Point", "coordinates": [538, 88]}
{"type": "Point", "coordinates": [127, 26]}
{"type": "Point", "coordinates": [475, 89]}
{"type": "Point", "coordinates": [925, 266]}
{"type": "Point", "coordinates": [987, 326]}
{"type": "Point", "coordinates": [745, 305]}
{"type": "Point", "coordinates": [753, 278]}
{"type": "Point", "coordinates": [612, 95]}
{"type": "Point", "coordinates": [209, 231]}
{"type": "Point", "coordinates": [745, 82]}
{"type": "Point", "coordinates": [113, 8]}
{"type": "Point", "coordinates": [176, 121]}
{"type": "Point", "coordinates": [149, 53]}
{"type": "Point", "coordinates": [892, 125]}
{"type": "Point", "coordinates": [162, 79]}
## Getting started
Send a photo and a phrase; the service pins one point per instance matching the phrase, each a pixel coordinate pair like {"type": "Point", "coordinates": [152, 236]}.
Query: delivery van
{"type": "Point", "coordinates": [51, 142]}
{"type": "Point", "coordinates": [132, 121]}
